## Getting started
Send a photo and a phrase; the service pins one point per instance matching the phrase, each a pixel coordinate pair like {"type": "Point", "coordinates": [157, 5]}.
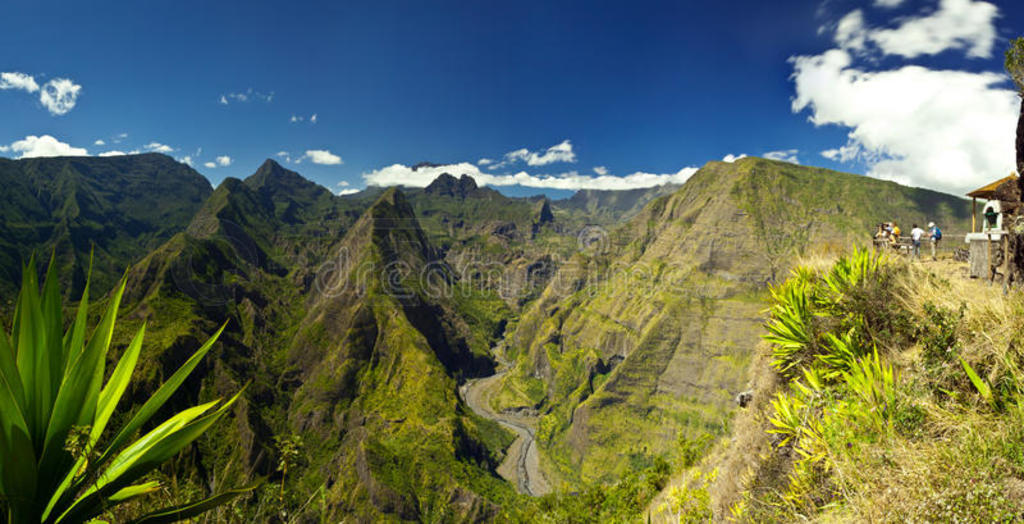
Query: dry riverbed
{"type": "Point", "coordinates": [521, 466]}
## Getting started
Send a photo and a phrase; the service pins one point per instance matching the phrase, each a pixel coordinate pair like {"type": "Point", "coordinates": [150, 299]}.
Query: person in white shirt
{"type": "Point", "coordinates": [915, 234]}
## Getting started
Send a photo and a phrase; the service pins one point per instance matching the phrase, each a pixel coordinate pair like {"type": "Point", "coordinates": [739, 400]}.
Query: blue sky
{"type": "Point", "coordinates": [648, 89]}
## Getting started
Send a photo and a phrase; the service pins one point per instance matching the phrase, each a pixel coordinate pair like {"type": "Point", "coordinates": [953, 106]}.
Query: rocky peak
{"type": "Point", "coordinates": [448, 185]}
{"type": "Point", "coordinates": [275, 181]}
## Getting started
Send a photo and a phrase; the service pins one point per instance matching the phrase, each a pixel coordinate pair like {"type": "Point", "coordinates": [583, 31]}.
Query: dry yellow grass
{"type": "Point", "coordinates": [964, 459]}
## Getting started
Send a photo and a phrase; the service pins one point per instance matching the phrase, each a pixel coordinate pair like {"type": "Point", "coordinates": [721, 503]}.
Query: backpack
{"type": "Point", "coordinates": [937, 235]}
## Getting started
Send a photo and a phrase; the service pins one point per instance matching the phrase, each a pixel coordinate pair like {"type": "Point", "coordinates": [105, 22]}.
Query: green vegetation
{"type": "Point", "coordinates": [98, 213]}
{"type": "Point", "coordinates": [58, 462]}
{"type": "Point", "coordinates": [900, 398]}
{"type": "Point", "coordinates": [357, 320]}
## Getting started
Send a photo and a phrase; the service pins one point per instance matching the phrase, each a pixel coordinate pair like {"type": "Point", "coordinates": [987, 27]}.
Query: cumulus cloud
{"type": "Point", "coordinates": [220, 161]}
{"type": "Point", "coordinates": [730, 158]}
{"type": "Point", "coordinates": [944, 129]}
{"type": "Point", "coordinates": [561, 152]}
{"type": "Point", "coordinates": [15, 80]}
{"type": "Point", "coordinates": [402, 175]}
{"type": "Point", "coordinates": [343, 183]}
{"type": "Point", "coordinates": [157, 147]}
{"type": "Point", "coordinates": [956, 24]}
{"type": "Point", "coordinates": [113, 153]}
{"type": "Point", "coordinates": [187, 160]}
{"type": "Point", "coordinates": [249, 95]}
{"type": "Point", "coordinates": [313, 118]}
{"type": "Point", "coordinates": [322, 157]}
{"type": "Point", "coordinates": [99, 142]}
{"type": "Point", "coordinates": [349, 191]}
{"type": "Point", "coordinates": [44, 146]}
{"type": "Point", "coordinates": [786, 155]}
{"type": "Point", "coordinates": [484, 162]}
{"type": "Point", "coordinates": [59, 96]}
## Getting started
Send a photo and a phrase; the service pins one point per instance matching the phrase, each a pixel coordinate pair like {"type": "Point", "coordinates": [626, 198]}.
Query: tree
{"type": "Point", "coordinates": [57, 461]}
{"type": "Point", "coordinates": [1015, 67]}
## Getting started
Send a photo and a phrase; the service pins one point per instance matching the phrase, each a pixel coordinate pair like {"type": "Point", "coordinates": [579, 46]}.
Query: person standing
{"type": "Point", "coordinates": [935, 234]}
{"type": "Point", "coordinates": [915, 235]}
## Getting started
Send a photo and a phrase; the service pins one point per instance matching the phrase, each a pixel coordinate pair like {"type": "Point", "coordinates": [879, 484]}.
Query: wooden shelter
{"type": "Point", "coordinates": [987, 192]}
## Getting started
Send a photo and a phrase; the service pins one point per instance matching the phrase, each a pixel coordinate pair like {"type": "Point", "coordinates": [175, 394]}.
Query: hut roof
{"type": "Point", "coordinates": [989, 190]}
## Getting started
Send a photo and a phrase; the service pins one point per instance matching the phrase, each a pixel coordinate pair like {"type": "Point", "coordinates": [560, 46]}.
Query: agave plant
{"type": "Point", "coordinates": [58, 461]}
{"type": "Point", "coordinates": [790, 330]}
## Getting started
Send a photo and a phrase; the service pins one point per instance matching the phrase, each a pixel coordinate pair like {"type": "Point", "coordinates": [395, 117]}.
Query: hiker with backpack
{"type": "Point", "coordinates": [936, 235]}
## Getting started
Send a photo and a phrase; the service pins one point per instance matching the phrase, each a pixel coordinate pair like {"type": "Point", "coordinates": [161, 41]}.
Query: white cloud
{"type": "Point", "coordinates": [187, 160]}
{"type": "Point", "coordinates": [59, 95]}
{"type": "Point", "coordinates": [850, 32]}
{"type": "Point", "coordinates": [786, 155]}
{"type": "Point", "coordinates": [730, 158]}
{"type": "Point", "coordinates": [4, 149]}
{"type": "Point", "coordinates": [157, 147]}
{"type": "Point", "coordinates": [561, 152]}
{"type": "Point", "coordinates": [15, 80]}
{"type": "Point", "coordinates": [484, 162]}
{"type": "Point", "coordinates": [99, 143]}
{"type": "Point", "coordinates": [221, 161]}
{"type": "Point", "coordinates": [45, 146]}
{"type": "Point", "coordinates": [120, 137]}
{"type": "Point", "coordinates": [299, 118]}
{"type": "Point", "coordinates": [399, 174]}
{"type": "Point", "coordinates": [956, 24]}
{"type": "Point", "coordinates": [323, 157]}
{"type": "Point", "coordinates": [888, 3]}
{"type": "Point", "coordinates": [113, 153]}
{"type": "Point", "coordinates": [601, 170]}
{"type": "Point", "coordinates": [349, 191]}
{"type": "Point", "coordinates": [343, 183]}
{"type": "Point", "coordinates": [249, 95]}
{"type": "Point", "coordinates": [944, 129]}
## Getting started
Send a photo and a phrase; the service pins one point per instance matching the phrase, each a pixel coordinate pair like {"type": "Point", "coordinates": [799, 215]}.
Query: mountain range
{"type": "Point", "coordinates": [625, 318]}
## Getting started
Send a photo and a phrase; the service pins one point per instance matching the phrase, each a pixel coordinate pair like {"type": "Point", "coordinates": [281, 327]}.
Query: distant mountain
{"type": "Point", "coordinates": [610, 205]}
{"type": "Point", "coordinates": [120, 208]}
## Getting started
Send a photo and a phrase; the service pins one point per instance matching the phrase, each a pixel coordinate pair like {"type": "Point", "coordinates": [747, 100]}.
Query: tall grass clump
{"type": "Point", "coordinates": [899, 397]}
{"type": "Point", "coordinates": [59, 460]}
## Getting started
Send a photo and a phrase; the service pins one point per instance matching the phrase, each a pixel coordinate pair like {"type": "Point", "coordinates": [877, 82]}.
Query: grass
{"type": "Point", "coordinates": [917, 418]}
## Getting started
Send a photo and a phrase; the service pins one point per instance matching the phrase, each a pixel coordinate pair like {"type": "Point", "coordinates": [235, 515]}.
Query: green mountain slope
{"type": "Point", "coordinates": [352, 338]}
{"type": "Point", "coordinates": [649, 334]}
{"type": "Point", "coordinates": [122, 207]}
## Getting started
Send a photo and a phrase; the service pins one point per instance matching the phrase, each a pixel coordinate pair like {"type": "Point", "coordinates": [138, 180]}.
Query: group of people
{"type": "Point", "coordinates": [890, 232]}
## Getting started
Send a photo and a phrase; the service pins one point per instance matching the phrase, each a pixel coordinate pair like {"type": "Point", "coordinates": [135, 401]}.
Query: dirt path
{"type": "Point", "coordinates": [521, 466]}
